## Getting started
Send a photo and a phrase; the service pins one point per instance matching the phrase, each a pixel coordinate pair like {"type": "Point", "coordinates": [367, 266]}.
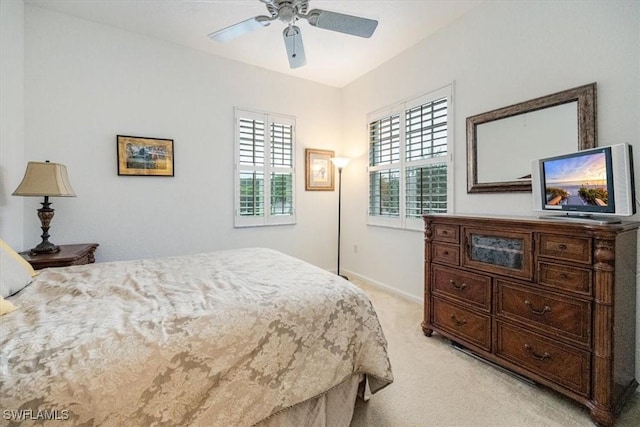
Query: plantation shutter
{"type": "Point", "coordinates": [426, 145]}
{"type": "Point", "coordinates": [265, 166]}
{"type": "Point", "coordinates": [410, 160]}
{"type": "Point", "coordinates": [384, 166]}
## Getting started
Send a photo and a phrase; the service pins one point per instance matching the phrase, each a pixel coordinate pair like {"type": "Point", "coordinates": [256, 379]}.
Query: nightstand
{"type": "Point", "coordinates": [79, 254]}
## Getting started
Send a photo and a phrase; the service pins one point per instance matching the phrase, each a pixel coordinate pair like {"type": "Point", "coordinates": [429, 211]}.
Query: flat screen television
{"type": "Point", "coordinates": [595, 184]}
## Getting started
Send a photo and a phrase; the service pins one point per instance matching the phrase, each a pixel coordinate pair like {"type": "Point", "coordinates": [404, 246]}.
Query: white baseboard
{"type": "Point", "coordinates": [382, 286]}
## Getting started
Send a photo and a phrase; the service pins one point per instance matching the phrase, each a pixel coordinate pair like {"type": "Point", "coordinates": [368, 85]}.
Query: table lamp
{"type": "Point", "coordinates": [48, 180]}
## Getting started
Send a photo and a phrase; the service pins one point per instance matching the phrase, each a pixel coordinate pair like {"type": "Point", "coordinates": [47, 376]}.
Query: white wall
{"type": "Point", "coordinates": [499, 54]}
{"type": "Point", "coordinates": [86, 83]}
{"type": "Point", "coordinates": [11, 119]}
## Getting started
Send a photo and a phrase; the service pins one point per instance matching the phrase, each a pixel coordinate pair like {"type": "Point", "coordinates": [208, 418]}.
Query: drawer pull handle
{"type": "Point", "coordinates": [534, 311]}
{"type": "Point", "coordinates": [562, 246]}
{"type": "Point", "coordinates": [545, 356]}
{"type": "Point", "coordinates": [457, 322]}
{"type": "Point", "coordinates": [445, 253]}
{"type": "Point", "coordinates": [459, 287]}
{"type": "Point", "coordinates": [444, 232]}
{"type": "Point", "coordinates": [564, 276]}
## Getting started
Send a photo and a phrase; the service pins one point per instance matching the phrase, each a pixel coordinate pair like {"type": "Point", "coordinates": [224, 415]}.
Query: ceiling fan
{"type": "Point", "coordinates": [289, 12]}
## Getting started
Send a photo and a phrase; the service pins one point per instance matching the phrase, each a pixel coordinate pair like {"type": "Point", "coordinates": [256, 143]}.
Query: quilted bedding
{"type": "Point", "coordinates": [226, 338]}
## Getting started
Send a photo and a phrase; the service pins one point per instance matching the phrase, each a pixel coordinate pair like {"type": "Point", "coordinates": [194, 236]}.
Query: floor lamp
{"type": "Point", "coordinates": [340, 162]}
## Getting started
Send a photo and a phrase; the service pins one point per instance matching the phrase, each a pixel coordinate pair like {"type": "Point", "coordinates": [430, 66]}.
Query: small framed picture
{"type": "Point", "coordinates": [145, 156]}
{"type": "Point", "coordinates": [319, 170]}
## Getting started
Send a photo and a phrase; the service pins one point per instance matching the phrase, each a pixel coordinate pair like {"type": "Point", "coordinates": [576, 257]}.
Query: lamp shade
{"type": "Point", "coordinates": [340, 162]}
{"type": "Point", "coordinates": [45, 179]}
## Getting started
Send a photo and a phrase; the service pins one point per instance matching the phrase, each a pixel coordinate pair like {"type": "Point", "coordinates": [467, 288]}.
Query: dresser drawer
{"type": "Point", "coordinates": [465, 287]}
{"type": "Point", "coordinates": [565, 277]}
{"type": "Point", "coordinates": [448, 254]}
{"type": "Point", "coordinates": [565, 248]}
{"type": "Point", "coordinates": [468, 326]}
{"type": "Point", "coordinates": [549, 359]}
{"type": "Point", "coordinates": [553, 315]}
{"type": "Point", "coordinates": [446, 233]}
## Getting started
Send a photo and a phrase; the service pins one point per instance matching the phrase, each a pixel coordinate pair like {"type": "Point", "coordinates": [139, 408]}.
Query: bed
{"type": "Point", "coordinates": [230, 338]}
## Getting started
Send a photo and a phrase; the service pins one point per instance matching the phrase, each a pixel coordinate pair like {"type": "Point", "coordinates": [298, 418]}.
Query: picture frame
{"type": "Point", "coordinates": [320, 173]}
{"type": "Point", "coordinates": [142, 156]}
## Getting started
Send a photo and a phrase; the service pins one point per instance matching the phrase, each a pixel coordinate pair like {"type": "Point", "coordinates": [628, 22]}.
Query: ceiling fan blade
{"type": "Point", "coordinates": [348, 24]}
{"type": "Point", "coordinates": [236, 30]}
{"type": "Point", "coordinates": [295, 48]}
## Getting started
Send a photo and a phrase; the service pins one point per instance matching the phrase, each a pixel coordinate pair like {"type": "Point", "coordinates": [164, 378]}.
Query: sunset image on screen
{"type": "Point", "coordinates": [577, 181]}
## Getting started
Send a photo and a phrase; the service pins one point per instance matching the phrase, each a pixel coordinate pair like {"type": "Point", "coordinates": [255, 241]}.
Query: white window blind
{"type": "Point", "coordinates": [426, 190]}
{"type": "Point", "coordinates": [384, 163]}
{"type": "Point", "coordinates": [384, 135]}
{"type": "Point", "coordinates": [426, 130]}
{"type": "Point", "coordinates": [410, 160]}
{"type": "Point", "coordinates": [264, 148]}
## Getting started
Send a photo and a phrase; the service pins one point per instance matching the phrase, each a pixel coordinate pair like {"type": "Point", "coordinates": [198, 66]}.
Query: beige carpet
{"type": "Point", "coordinates": [436, 385]}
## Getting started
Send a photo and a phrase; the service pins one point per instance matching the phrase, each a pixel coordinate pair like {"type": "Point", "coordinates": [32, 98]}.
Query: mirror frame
{"type": "Point", "coordinates": [587, 136]}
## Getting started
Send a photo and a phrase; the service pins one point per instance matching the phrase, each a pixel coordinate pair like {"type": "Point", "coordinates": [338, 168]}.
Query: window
{"type": "Point", "coordinates": [265, 169]}
{"type": "Point", "coordinates": [410, 160]}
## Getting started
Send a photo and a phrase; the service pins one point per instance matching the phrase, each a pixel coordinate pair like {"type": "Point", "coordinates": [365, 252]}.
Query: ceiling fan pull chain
{"type": "Point", "coordinates": [293, 55]}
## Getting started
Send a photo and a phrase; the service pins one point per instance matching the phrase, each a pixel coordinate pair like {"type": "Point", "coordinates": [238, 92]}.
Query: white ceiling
{"type": "Point", "coordinates": [333, 58]}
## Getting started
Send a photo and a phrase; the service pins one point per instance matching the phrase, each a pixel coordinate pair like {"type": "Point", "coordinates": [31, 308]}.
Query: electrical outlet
{"type": "Point", "coordinates": [355, 249]}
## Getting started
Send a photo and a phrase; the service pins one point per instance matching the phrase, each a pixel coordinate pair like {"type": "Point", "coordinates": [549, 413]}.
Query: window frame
{"type": "Point", "coordinates": [402, 221]}
{"type": "Point", "coordinates": [267, 169]}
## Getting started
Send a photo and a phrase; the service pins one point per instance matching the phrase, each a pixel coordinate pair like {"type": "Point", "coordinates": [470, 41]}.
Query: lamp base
{"type": "Point", "coordinates": [45, 213]}
{"type": "Point", "coordinates": [45, 247]}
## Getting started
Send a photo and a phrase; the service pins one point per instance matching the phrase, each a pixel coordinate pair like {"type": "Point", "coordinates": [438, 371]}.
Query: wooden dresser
{"type": "Point", "coordinates": [552, 300]}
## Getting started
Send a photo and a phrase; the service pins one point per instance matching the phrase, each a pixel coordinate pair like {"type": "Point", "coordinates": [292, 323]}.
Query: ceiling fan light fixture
{"type": "Point", "coordinates": [287, 14]}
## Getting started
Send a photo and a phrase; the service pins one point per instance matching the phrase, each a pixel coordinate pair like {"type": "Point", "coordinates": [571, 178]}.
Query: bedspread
{"type": "Point", "coordinates": [219, 339]}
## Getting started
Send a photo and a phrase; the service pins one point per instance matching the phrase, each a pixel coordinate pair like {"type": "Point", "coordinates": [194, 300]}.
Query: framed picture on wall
{"type": "Point", "coordinates": [145, 156]}
{"type": "Point", "coordinates": [319, 170]}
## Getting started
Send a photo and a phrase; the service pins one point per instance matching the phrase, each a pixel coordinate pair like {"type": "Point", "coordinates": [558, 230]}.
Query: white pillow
{"type": "Point", "coordinates": [6, 307]}
{"type": "Point", "coordinates": [16, 272]}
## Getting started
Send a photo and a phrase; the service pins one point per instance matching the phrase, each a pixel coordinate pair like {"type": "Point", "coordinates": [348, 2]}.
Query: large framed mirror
{"type": "Point", "coordinates": [502, 143]}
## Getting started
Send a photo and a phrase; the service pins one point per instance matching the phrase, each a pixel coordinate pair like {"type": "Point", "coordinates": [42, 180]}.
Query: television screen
{"type": "Point", "coordinates": [577, 181]}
